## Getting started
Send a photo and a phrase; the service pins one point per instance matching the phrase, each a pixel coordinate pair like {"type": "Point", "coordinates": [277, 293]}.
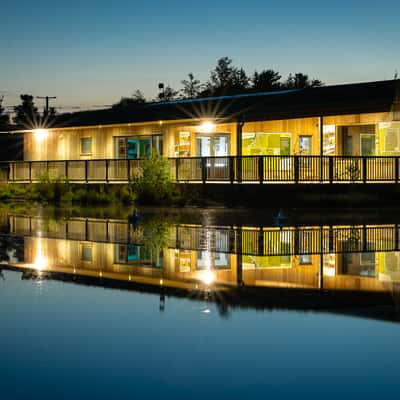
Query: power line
{"type": "Point", "coordinates": [47, 98]}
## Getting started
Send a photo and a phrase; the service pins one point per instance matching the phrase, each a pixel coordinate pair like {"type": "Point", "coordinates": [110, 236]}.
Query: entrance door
{"type": "Point", "coordinates": [203, 146]}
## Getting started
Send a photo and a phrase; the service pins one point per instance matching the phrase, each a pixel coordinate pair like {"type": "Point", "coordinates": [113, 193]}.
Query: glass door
{"type": "Point", "coordinates": [203, 146]}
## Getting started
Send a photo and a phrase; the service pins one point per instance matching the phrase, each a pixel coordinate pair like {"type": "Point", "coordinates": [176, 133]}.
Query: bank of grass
{"type": "Point", "coordinates": [152, 186]}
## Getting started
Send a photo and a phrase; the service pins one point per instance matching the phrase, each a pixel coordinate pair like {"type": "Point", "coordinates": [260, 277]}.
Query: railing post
{"type": "Point", "coordinates": [30, 172]}
{"type": "Point", "coordinates": [86, 170]}
{"type": "Point", "coordinates": [203, 169]}
{"type": "Point", "coordinates": [261, 242]}
{"type": "Point", "coordinates": [66, 168]}
{"type": "Point", "coordinates": [296, 169]}
{"type": "Point", "coordinates": [231, 169]}
{"type": "Point", "coordinates": [128, 170]}
{"type": "Point", "coordinates": [364, 169]}
{"type": "Point", "coordinates": [261, 168]}
{"type": "Point", "coordinates": [239, 160]}
{"type": "Point", "coordinates": [107, 166]}
{"type": "Point", "coordinates": [330, 168]}
{"type": "Point", "coordinates": [396, 169]}
{"type": "Point", "coordinates": [177, 169]}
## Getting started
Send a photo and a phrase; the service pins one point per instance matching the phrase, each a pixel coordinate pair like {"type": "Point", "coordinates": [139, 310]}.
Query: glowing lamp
{"type": "Point", "coordinates": [207, 127]}
{"type": "Point", "coordinates": [40, 134]}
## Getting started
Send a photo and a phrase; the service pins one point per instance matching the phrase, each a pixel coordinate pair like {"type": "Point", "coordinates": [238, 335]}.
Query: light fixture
{"type": "Point", "coordinates": [207, 127]}
{"type": "Point", "coordinates": [40, 134]}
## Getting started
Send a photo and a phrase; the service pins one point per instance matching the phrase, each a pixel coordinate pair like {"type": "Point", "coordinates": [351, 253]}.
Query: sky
{"type": "Point", "coordinates": [91, 53]}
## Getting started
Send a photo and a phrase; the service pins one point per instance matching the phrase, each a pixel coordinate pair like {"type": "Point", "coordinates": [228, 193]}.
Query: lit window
{"type": "Point", "coordinates": [86, 145]}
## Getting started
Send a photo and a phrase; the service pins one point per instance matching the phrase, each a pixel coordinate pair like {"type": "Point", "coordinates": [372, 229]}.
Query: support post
{"type": "Point", "coordinates": [364, 169]}
{"type": "Point", "coordinates": [261, 242]}
{"type": "Point", "coordinates": [396, 169]}
{"type": "Point", "coordinates": [107, 166]}
{"type": "Point", "coordinates": [261, 168]}
{"type": "Point", "coordinates": [239, 150]}
{"type": "Point", "coordinates": [296, 171]}
{"type": "Point", "coordinates": [204, 169]}
{"type": "Point", "coordinates": [321, 147]}
{"type": "Point", "coordinates": [177, 169]}
{"type": "Point", "coordinates": [330, 167]}
{"type": "Point", "coordinates": [128, 168]}
{"type": "Point", "coordinates": [231, 169]}
{"type": "Point", "coordinates": [86, 170]}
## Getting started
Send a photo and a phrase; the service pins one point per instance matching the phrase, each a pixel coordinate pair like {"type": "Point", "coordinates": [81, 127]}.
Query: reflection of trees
{"type": "Point", "coordinates": [9, 245]}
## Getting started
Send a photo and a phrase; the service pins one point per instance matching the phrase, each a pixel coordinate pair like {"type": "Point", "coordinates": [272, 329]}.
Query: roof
{"type": "Point", "coordinates": [297, 103]}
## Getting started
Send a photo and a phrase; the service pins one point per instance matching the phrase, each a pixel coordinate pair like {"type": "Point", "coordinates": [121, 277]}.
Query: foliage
{"type": "Point", "coordinates": [191, 87]}
{"type": "Point", "coordinates": [154, 185]}
{"type": "Point", "coordinates": [4, 119]}
{"type": "Point", "coordinates": [266, 80]}
{"type": "Point", "coordinates": [137, 98]}
{"type": "Point", "coordinates": [300, 81]}
{"type": "Point", "coordinates": [26, 114]}
{"type": "Point", "coordinates": [168, 94]}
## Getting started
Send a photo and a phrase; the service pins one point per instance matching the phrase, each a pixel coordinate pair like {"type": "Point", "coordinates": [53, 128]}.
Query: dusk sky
{"type": "Point", "coordinates": [90, 53]}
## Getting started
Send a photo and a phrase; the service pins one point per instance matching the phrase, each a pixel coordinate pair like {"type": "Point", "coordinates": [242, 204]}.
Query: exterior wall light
{"type": "Point", "coordinates": [40, 134]}
{"type": "Point", "coordinates": [207, 127]}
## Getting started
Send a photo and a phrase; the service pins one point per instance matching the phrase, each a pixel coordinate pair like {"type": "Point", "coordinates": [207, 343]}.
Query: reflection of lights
{"type": "Point", "coordinates": [41, 262]}
{"type": "Point", "coordinates": [161, 282]}
{"type": "Point", "coordinates": [207, 277]}
{"type": "Point", "coordinates": [207, 127]}
{"type": "Point", "coordinates": [130, 277]}
{"type": "Point", "coordinates": [40, 134]}
{"type": "Point", "coordinates": [100, 274]}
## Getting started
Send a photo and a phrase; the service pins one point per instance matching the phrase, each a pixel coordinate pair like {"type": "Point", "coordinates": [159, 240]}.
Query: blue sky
{"type": "Point", "coordinates": [93, 52]}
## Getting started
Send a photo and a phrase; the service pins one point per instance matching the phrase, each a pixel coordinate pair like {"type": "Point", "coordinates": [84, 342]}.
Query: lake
{"type": "Point", "coordinates": [100, 304]}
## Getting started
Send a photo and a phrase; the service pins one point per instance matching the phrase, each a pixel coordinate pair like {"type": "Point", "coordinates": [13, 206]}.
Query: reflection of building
{"type": "Point", "coordinates": [348, 258]}
{"type": "Point", "coordinates": [343, 120]}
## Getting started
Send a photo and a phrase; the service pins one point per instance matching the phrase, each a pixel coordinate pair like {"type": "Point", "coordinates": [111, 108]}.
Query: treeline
{"type": "Point", "coordinates": [27, 114]}
{"type": "Point", "coordinates": [226, 79]}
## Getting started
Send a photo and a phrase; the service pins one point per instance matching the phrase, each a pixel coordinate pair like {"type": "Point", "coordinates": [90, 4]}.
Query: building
{"type": "Point", "coordinates": [266, 130]}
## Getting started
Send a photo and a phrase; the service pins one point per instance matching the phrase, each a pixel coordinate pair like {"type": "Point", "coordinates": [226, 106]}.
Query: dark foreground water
{"type": "Point", "coordinates": [199, 323]}
{"type": "Point", "coordinates": [66, 341]}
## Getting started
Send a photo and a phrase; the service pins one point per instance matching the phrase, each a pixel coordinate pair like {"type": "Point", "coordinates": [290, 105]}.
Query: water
{"type": "Point", "coordinates": [198, 325]}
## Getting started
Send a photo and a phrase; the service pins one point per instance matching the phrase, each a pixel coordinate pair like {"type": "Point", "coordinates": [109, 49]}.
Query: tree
{"type": "Point", "coordinates": [301, 81]}
{"type": "Point", "coordinates": [26, 114]}
{"type": "Point", "coordinates": [136, 99]}
{"type": "Point", "coordinates": [226, 79]}
{"type": "Point", "coordinates": [266, 80]}
{"type": "Point", "coordinates": [4, 119]}
{"type": "Point", "coordinates": [168, 94]}
{"type": "Point", "coordinates": [191, 87]}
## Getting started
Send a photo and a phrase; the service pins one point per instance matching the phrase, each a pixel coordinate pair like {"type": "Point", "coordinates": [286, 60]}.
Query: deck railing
{"type": "Point", "coordinates": [230, 169]}
{"type": "Point", "coordinates": [255, 241]}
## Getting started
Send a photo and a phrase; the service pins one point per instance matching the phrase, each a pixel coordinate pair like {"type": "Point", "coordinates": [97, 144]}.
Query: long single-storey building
{"type": "Point", "coordinates": [334, 133]}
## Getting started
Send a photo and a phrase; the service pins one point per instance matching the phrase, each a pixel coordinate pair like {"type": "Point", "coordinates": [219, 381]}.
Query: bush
{"type": "Point", "coordinates": [154, 185]}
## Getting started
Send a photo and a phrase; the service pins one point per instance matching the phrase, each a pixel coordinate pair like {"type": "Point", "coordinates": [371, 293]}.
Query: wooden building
{"type": "Point", "coordinates": [357, 120]}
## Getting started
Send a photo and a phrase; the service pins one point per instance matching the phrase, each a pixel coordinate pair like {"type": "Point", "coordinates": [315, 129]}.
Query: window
{"type": "Point", "coordinates": [86, 145]}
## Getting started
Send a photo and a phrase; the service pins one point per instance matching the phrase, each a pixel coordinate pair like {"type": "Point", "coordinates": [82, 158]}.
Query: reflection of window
{"type": "Point", "coordinates": [305, 259]}
{"type": "Point", "coordinates": [86, 254]}
{"type": "Point", "coordinates": [86, 145]}
{"type": "Point", "coordinates": [137, 255]}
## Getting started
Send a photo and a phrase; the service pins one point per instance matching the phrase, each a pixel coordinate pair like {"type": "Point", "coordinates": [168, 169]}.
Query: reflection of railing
{"type": "Point", "coordinates": [230, 169]}
{"type": "Point", "coordinates": [265, 241]}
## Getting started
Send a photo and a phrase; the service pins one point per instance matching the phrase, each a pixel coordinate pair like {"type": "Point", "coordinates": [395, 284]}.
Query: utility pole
{"type": "Point", "coordinates": [47, 98]}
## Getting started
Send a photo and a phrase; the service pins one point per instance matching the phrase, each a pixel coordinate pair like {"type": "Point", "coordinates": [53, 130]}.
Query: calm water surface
{"type": "Point", "coordinates": [70, 338]}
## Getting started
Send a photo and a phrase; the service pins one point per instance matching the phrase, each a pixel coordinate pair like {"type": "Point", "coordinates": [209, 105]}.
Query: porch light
{"type": "Point", "coordinates": [40, 134]}
{"type": "Point", "coordinates": [207, 127]}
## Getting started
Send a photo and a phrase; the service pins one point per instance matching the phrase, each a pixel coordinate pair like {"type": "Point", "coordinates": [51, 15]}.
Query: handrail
{"type": "Point", "coordinates": [230, 169]}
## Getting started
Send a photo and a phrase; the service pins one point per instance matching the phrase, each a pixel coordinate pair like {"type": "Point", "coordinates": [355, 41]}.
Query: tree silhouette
{"type": "Point", "coordinates": [191, 87]}
{"type": "Point", "coordinates": [136, 99]}
{"type": "Point", "coordinates": [168, 94]}
{"type": "Point", "coordinates": [266, 80]}
{"type": "Point", "coordinates": [26, 114]}
{"type": "Point", "coordinates": [4, 119]}
{"type": "Point", "coordinates": [301, 81]}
